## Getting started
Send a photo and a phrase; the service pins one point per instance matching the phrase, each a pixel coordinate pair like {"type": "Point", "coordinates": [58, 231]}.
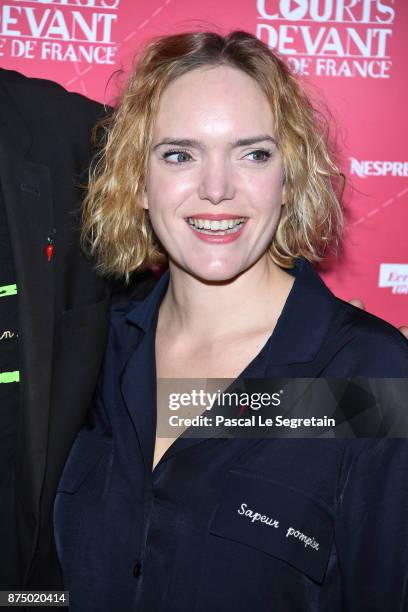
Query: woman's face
{"type": "Point", "coordinates": [214, 188]}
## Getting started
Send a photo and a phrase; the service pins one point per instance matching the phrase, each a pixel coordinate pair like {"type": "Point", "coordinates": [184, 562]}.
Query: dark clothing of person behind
{"type": "Point", "coordinates": [178, 539]}
{"type": "Point", "coordinates": [9, 402]}
{"type": "Point", "coordinates": [61, 315]}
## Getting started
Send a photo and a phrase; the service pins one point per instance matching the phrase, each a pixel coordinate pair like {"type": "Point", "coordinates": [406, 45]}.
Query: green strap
{"type": "Point", "coordinates": [10, 377]}
{"type": "Point", "coordinates": [7, 290]}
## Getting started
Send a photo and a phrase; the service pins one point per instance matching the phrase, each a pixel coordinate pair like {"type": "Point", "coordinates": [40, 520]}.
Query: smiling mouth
{"type": "Point", "coordinates": [217, 227]}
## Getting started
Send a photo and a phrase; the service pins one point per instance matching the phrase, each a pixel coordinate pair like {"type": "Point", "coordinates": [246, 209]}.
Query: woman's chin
{"type": "Point", "coordinates": [216, 273]}
{"type": "Point", "coordinates": [220, 270]}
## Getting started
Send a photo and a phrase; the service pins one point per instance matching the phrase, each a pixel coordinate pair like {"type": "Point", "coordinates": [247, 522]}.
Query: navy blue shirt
{"type": "Point", "coordinates": [182, 537]}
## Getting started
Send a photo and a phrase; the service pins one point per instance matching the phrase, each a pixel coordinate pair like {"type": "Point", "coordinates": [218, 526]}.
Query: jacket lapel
{"type": "Point", "coordinates": [138, 369]}
{"type": "Point", "coordinates": [138, 387]}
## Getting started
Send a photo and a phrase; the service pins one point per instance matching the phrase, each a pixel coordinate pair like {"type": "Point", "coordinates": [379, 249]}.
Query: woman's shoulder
{"type": "Point", "coordinates": [370, 328]}
{"type": "Point", "coordinates": [371, 346]}
{"type": "Point", "coordinates": [127, 297]}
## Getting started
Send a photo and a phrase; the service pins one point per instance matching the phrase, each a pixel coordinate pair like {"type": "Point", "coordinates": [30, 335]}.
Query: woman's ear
{"type": "Point", "coordinates": [145, 203]}
{"type": "Point", "coordinates": [283, 195]}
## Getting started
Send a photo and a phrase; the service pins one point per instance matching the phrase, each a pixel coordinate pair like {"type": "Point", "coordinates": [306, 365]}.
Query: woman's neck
{"type": "Point", "coordinates": [253, 299]}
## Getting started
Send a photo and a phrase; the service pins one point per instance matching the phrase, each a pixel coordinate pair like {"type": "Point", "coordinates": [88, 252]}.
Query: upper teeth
{"type": "Point", "coordinates": [215, 225]}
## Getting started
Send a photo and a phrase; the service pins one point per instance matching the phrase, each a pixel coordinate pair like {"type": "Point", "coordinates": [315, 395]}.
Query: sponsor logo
{"type": "Point", "coordinates": [394, 276]}
{"type": "Point", "coordinates": [365, 167]}
{"type": "Point", "coordinates": [79, 31]}
{"type": "Point", "coordinates": [330, 38]}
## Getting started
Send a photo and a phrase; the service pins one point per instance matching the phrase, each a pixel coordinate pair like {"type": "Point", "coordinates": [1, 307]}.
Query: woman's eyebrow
{"type": "Point", "coordinates": [188, 142]}
{"type": "Point", "coordinates": [178, 142]}
{"type": "Point", "coordinates": [243, 142]}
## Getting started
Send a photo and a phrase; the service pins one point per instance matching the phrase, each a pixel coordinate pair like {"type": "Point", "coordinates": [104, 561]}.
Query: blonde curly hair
{"type": "Point", "coordinates": [116, 228]}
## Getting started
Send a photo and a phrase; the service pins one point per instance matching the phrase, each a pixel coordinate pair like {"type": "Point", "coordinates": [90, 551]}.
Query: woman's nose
{"type": "Point", "coordinates": [216, 183]}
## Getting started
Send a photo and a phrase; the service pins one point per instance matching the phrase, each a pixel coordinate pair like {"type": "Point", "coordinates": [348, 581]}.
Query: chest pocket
{"type": "Point", "coordinates": [276, 519]}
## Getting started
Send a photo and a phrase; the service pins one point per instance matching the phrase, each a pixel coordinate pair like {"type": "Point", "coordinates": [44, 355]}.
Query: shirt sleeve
{"type": "Point", "coordinates": [372, 529]}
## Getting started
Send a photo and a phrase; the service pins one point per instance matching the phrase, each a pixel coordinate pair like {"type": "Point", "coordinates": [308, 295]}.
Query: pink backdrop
{"type": "Point", "coordinates": [353, 54]}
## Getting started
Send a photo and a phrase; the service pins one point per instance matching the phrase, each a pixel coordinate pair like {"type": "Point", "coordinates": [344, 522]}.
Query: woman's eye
{"type": "Point", "coordinates": [260, 155]}
{"type": "Point", "coordinates": [176, 157]}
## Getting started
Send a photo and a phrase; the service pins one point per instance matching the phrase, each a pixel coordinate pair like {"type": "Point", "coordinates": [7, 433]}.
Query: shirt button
{"type": "Point", "coordinates": [137, 569]}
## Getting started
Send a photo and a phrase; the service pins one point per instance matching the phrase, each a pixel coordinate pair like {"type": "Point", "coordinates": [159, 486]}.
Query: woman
{"type": "Point", "coordinates": [213, 158]}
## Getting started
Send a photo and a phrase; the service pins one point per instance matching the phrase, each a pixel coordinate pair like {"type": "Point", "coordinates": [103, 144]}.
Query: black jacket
{"type": "Point", "coordinates": [179, 538]}
{"type": "Point", "coordinates": [44, 148]}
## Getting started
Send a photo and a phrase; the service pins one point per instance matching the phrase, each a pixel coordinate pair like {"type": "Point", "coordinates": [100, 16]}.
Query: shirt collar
{"type": "Point", "coordinates": [305, 319]}
{"type": "Point", "coordinates": [300, 329]}
{"type": "Point", "coordinates": [144, 313]}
